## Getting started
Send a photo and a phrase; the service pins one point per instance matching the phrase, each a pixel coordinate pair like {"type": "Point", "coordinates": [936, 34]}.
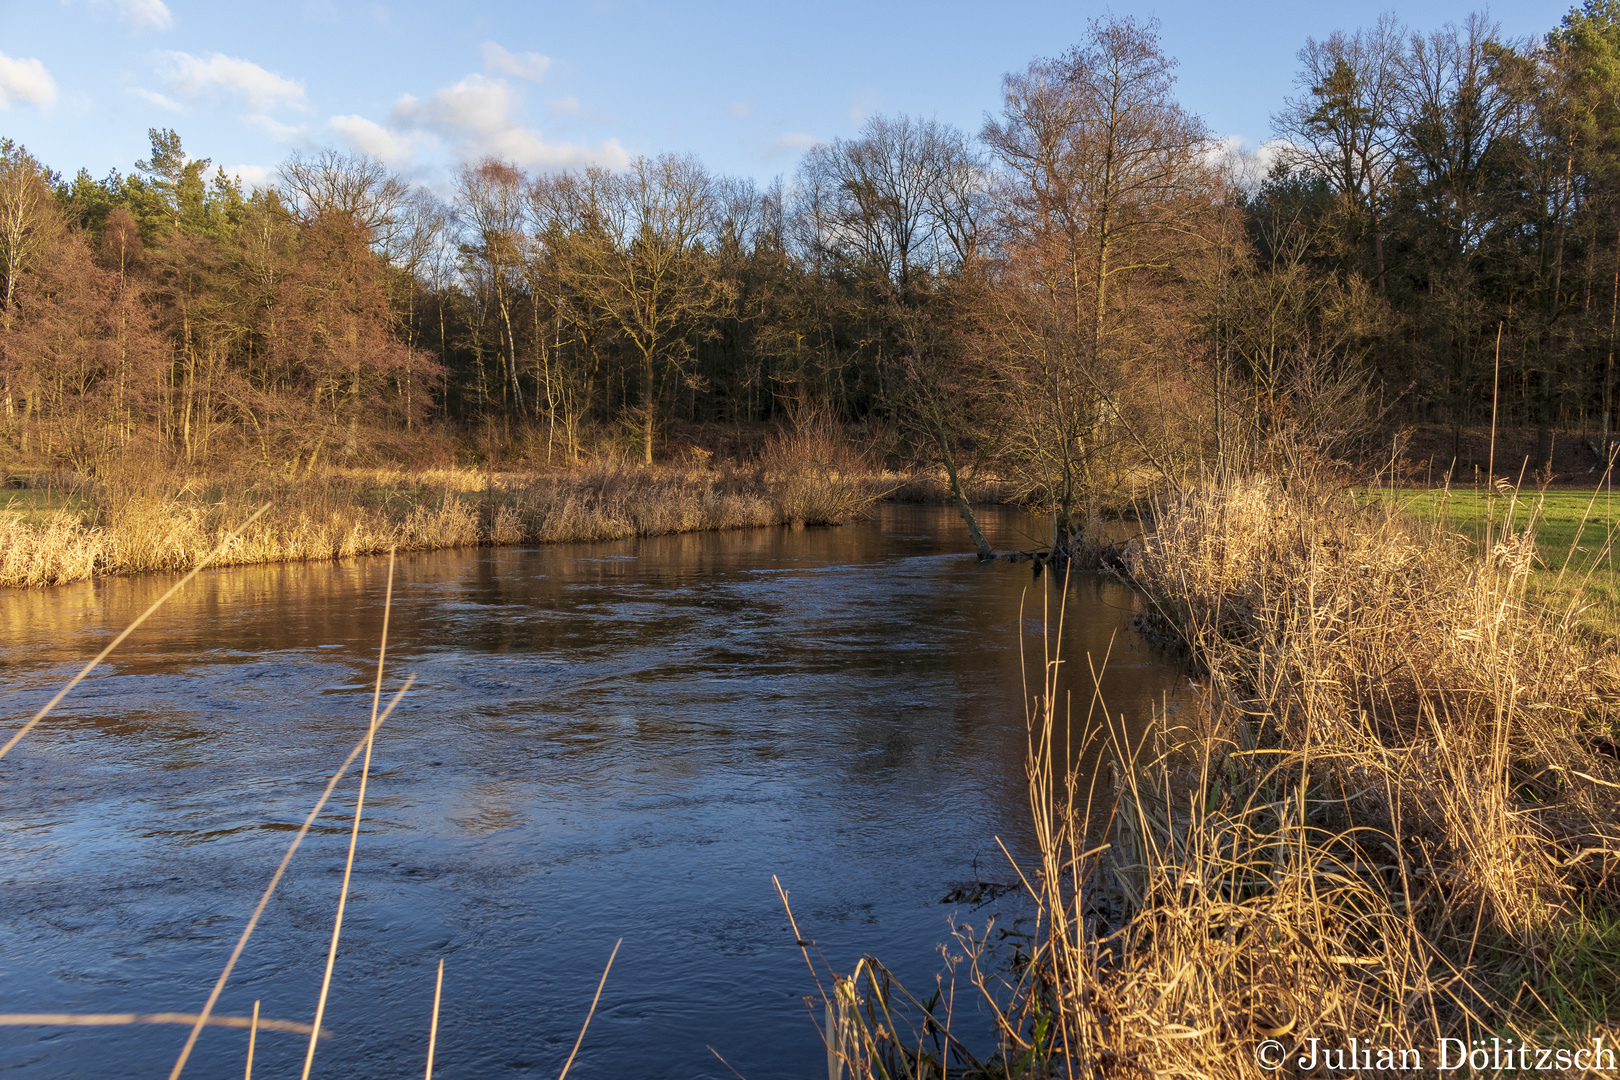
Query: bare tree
{"type": "Point", "coordinates": [1343, 126]}
{"type": "Point", "coordinates": [1107, 180]}
{"type": "Point", "coordinates": [638, 254]}
{"type": "Point", "coordinates": [25, 199]}
{"type": "Point", "coordinates": [355, 185]}
{"type": "Point", "coordinates": [1457, 112]}
{"type": "Point", "coordinates": [490, 200]}
{"type": "Point", "coordinates": [906, 196]}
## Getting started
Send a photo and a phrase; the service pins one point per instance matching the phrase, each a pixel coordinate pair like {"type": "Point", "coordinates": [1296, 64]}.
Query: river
{"type": "Point", "coordinates": [604, 741]}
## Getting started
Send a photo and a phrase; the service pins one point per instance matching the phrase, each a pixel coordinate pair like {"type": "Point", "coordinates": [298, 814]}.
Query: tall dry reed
{"type": "Point", "coordinates": [137, 524]}
{"type": "Point", "coordinates": [1394, 803]}
{"type": "Point", "coordinates": [1391, 818]}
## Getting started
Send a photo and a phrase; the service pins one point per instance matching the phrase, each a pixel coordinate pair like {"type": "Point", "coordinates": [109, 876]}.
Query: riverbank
{"type": "Point", "coordinates": [1390, 823]}
{"type": "Point", "coordinates": [56, 527]}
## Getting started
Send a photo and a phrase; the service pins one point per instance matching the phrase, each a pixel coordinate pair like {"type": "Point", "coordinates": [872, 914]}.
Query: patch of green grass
{"type": "Point", "coordinates": [1576, 989]}
{"type": "Point", "coordinates": [35, 506]}
{"type": "Point", "coordinates": [1583, 970]}
{"type": "Point", "coordinates": [1564, 516]}
{"type": "Point", "coordinates": [1576, 539]}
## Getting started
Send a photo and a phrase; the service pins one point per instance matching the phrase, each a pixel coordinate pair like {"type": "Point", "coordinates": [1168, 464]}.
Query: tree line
{"type": "Point", "coordinates": [1086, 289]}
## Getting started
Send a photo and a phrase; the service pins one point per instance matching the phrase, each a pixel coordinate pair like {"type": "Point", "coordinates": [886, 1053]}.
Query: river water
{"type": "Point", "coordinates": [604, 741]}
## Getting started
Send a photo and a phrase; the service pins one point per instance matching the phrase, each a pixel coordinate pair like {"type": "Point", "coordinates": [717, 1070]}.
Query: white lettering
{"type": "Point", "coordinates": [1301, 1061]}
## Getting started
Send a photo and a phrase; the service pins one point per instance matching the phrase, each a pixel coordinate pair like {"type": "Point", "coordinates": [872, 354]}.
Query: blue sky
{"type": "Point", "coordinates": [746, 86]}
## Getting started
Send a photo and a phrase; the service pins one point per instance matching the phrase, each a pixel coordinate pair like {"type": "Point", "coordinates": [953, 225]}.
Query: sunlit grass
{"type": "Point", "coordinates": [35, 507]}
{"type": "Point", "coordinates": [62, 528]}
{"type": "Point", "coordinates": [1389, 818]}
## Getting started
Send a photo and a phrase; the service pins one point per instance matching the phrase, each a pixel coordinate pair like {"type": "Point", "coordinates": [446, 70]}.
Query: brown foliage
{"type": "Point", "coordinates": [82, 362]}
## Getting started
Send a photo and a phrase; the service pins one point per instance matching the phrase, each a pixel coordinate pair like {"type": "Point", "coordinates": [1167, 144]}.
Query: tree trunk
{"type": "Point", "coordinates": [980, 544]}
{"type": "Point", "coordinates": [648, 406]}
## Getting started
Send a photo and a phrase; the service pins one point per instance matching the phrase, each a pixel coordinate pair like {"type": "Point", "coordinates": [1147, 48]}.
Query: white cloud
{"type": "Point", "coordinates": [1247, 167]}
{"type": "Point", "coordinates": [370, 137]}
{"type": "Point", "coordinates": [25, 82]}
{"type": "Point", "coordinates": [276, 129]}
{"type": "Point", "coordinates": [141, 15]}
{"type": "Point", "coordinates": [791, 142]}
{"type": "Point", "coordinates": [195, 77]}
{"type": "Point", "coordinates": [251, 176]}
{"type": "Point", "coordinates": [156, 99]}
{"type": "Point", "coordinates": [475, 119]}
{"type": "Point", "coordinates": [740, 109]}
{"type": "Point", "coordinates": [529, 65]}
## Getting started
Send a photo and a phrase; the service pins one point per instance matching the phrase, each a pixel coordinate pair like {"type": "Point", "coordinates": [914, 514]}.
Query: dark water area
{"type": "Point", "coordinates": [604, 740]}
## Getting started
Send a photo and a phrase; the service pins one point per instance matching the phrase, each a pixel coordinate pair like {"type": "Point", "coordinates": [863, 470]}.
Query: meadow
{"type": "Point", "coordinates": [1574, 570]}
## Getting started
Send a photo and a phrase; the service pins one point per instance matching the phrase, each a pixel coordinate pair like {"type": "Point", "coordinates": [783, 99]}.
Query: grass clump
{"type": "Point", "coordinates": [816, 477]}
{"type": "Point", "coordinates": [1396, 807]}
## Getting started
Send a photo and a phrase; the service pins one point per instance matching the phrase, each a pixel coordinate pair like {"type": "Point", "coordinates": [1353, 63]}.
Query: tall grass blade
{"type": "Point", "coordinates": [354, 832]}
{"type": "Point", "coordinates": [433, 1025]}
{"type": "Point", "coordinates": [592, 1012]}
{"type": "Point", "coordinates": [253, 1041]}
{"type": "Point", "coordinates": [292, 1027]}
{"type": "Point", "coordinates": [292, 848]}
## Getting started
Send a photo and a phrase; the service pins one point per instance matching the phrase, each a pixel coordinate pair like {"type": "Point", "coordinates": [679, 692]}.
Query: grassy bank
{"type": "Point", "coordinates": [1400, 798]}
{"type": "Point", "coordinates": [58, 527]}
{"type": "Point", "coordinates": [1392, 819]}
{"type": "Point", "coordinates": [1574, 532]}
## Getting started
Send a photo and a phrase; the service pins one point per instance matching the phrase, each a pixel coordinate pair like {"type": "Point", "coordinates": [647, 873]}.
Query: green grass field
{"type": "Point", "coordinates": [35, 506]}
{"type": "Point", "coordinates": [1575, 534]}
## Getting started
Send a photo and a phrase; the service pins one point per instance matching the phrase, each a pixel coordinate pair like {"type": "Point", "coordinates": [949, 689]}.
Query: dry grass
{"type": "Point", "coordinates": [1393, 819]}
{"type": "Point", "coordinates": [133, 523]}
{"type": "Point", "coordinates": [1395, 803]}
{"type": "Point", "coordinates": [815, 477]}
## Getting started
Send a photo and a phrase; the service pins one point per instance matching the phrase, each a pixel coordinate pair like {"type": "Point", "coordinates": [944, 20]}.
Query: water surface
{"type": "Point", "coordinates": [604, 740]}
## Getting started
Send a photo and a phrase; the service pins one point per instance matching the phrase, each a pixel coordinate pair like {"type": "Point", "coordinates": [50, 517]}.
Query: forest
{"type": "Point", "coordinates": [1089, 292]}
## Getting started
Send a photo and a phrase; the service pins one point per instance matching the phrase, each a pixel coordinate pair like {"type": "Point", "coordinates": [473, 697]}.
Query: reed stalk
{"type": "Point", "coordinates": [253, 1022]}
{"type": "Point", "coordinates": [590, 1012]}
{"type": "Point", "coordinates": [433, 1025]}
{"type": "Point", "coordinates": [354, 831]}
{"type": "Point", "coordinates": [275, 879]}
{"type": "Point", "coordinates": [253, 1042]}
